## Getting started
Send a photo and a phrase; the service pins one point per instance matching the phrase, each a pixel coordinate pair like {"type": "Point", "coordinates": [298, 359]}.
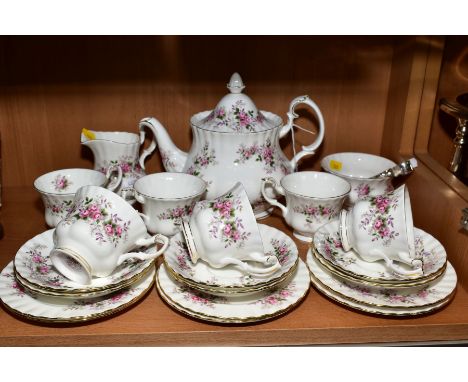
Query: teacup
{"type": "Point", "coordinates": [97, 235]}
{"type": "Point", "coordinates": [357, 169]}
{"type": "Point", "coordinates": [58, 188]}
{"type": "Point", "coordinates": [167, 198]}
{"type": "Point", "coordinates": [381, 228]}
{"type": "Point", "coordinates": [224, 231]}
{"type": "Point", "coordinates": [312, 200]}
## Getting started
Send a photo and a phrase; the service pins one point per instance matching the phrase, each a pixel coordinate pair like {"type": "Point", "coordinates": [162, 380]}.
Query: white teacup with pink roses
{"type": "Point", "coordinates": [312, 200]}
{"type": "Point", "coordinates": [58, 188]}
{"type": "Point", "coordinates": [167, 198]}
{"type": "Point", "coordinates": [381, 228]}
{"type": "Point", "coordinates": [223, 231]}
{"type": "Point", "coordinates": [98, 234]}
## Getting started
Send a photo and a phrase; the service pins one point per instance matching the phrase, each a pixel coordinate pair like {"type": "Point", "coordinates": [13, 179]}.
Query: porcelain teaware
{"type": "Point", "coordinates": [381, 228]}
{"type": "Point", "coordinates": [312, 200]}
{"type": "Point", "coordinates": [167, 198]}
{"type": "Point", "coordinates": [58, 188]}
{"type": "Point", "coordinates": [224, 231]}
{"type": "Point", "coordinates": [118, 148]}
{"type": "Point", "coordinates": [359, 169]}
{"type": "Point", "coordinates": [97, 235]}
{"type": "Point", "coordinates": [235, 142]}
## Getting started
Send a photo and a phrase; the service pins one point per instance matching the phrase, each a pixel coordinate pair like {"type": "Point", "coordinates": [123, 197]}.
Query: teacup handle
{"type": "Point", "coordinates": [278, 189]}
{"type": "Point", "coordinates": [390, 264]}
{"type": "Point", "coordinates": [145, 242]}
{"type": "Point", "coordinates": [310, 149]}
{"type": "Point", "coordinates": [260, 257]}
{"type": "Point", "coordinates": [112, 186]}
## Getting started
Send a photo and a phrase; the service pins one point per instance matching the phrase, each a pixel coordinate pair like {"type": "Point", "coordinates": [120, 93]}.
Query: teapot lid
{"type": "Point", "coordinates": [236, 112]}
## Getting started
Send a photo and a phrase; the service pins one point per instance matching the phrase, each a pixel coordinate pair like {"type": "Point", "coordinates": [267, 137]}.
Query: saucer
{"type": "Point", "coordinates": [239, 309]}
{"type": "Point", "coordinates": [413, 297]}
{"type": "Point", "coordinates": [32, 264]}
{"type": "Point", "coordinates": [231, 279]}
{"type": "Point", "coordinates": [350, 265]}
{"type": "Point", "coordinates": [55, 309]}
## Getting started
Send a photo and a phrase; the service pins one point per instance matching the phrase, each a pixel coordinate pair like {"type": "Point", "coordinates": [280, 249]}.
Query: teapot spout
{"type": "Point", "coordinates": [172, 157]}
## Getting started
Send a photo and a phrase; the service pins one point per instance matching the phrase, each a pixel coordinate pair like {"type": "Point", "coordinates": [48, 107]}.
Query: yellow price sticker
{"type": "Point", "coordinates": [88, 134]}
{"type": "Point", "coordinates": [336, 165]}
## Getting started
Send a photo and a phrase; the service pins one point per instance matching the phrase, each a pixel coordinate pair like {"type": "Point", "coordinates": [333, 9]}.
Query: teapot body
{"type": "Point", "coordinates": [222, 159]}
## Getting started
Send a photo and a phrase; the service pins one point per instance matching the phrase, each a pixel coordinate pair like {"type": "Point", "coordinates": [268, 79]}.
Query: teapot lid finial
{"type": "Point", "coordinates": [235, 84]}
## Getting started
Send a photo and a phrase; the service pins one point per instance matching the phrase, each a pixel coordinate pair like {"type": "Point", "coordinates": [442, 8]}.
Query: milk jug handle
{"type": "Point", "coordinates": [150, 148]}
{"type": "Point", "coordinates": [289, 126]}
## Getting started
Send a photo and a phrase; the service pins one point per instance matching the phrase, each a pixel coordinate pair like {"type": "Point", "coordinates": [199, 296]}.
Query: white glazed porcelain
{"type": "Point", "coordinates": [416, 296]}
{"type": "Point", "coordinates": [33, 265]}
{"type": "Point", "coordinates": [381, 228]}
{"type": "Point", "coordinates": [330, 252]}
{"type": "Point", "coordinates": [97, 234]}
{"type": "Point", "coordinates": [37, 307]}
{"type": "Point", "coordinates": [230, 279]}
{"type": "Point", "coordinates": [322, 281]}
{"type": "Point", "coordinates": [167, 198]}
{"type": "Point", "coordinates": [58, 188]}
{"type": "Point", "coordinates": [118, 148]}
{"type": "Point", "coordinates": [235, 142]}
{"type": "Point", "coordinates": [357, 168]}
{"type": "Point", "coordinates": [238, 309]}
{"type": "Point", "coordinates": [312, 200]}
{"type": "Point", "coordinates": [224, 231]}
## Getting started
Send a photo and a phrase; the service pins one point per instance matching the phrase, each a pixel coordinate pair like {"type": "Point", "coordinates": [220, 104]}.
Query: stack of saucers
{"type": "Point", "coordinates": [228, 294]}
{"type": "Point", "coordinates": [32, 288]}
{"type": "Point", "coordinates": [373, 287]}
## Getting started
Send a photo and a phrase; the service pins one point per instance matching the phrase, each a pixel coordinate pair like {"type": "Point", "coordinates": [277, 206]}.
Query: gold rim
{"type": "Point", "coordinates": [191, 313]}
{"type": "Point", "coordinates": [231, 289]}
{"type": "Point", "coordinates": [78, 291]}
{"type": "Point", "coordinates": [129, 282]}
{"type": "Point", "coordinates": [371, 281]}
{"type": "Point", "coordinates": [378, 305]}
{"type": "Point", "coordinates": [79, 319]}
{"type": "Point", "coordinates": [319, 286]}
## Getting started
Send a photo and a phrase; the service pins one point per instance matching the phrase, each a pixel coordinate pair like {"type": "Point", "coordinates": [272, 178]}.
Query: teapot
{"type": "Point", "coordinates": [235, 142]}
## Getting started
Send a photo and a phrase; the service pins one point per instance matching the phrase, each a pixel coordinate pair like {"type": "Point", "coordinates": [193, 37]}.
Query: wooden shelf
{"type": "Point", "coordinates": [151, 322]}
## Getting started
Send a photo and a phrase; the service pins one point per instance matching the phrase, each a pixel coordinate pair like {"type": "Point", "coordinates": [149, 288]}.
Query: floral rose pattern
{"type": "Point", "coordinates": [127, 163]}
{"type": "Point", "coordinates": [277, 297]}
{"type": "Point", "coordinates": [61, 183]}
{"type": "Point", "coordinates": [176, 214]}
{"type": "Point", "coordinates": [265, 154]}
{"type": "Point", "coordinates": [199, 298]}
{"type": "Point", "coordinates": [281, 250]}
{"type": "Point", "coordinates": [168, 164]}
{"type": "Point", "coordinates": [98, 303]}
{"type": "Point", "coordinates": [202, 160]}
{"type": "Point", "coordinates": [315, 214]}
{"type": "Point", "coordinates": [59, 208]}
{"type": "Point", "coordinates": [106, 227]}
{"type": "Point", "coordinates": [362, 190]}
{"type": "Point", "coordinates": [378, 221]}
{"type": "Point", "coordinates": [333, 250]}
{"type": "Point", "coordinates": [389, 295]}
{"type": "Point", "coordinates": [238, 118]}
{"type": "Point", "coordinates": [40, 267]}
{"type": "Point", "coordinates": [183, 257]}
{"type": "Point", "coordinates": [15, 285]}
{"type": "Point", "coordinates": [226, 225]}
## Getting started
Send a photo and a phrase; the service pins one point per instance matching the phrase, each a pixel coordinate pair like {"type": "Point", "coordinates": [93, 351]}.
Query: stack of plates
{"type": "Point", "coordinates": [371, 286]}
{"type": "Point", "coordinates": [32, 288]}
{"type": "Point", "coordinates": [228, 295]}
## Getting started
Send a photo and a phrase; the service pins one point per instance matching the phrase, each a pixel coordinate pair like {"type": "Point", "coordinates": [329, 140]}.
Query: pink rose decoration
{"type": "Point", "coordinates": [84, 213]}
{"type": "Point", "coordinates": [109, 229]}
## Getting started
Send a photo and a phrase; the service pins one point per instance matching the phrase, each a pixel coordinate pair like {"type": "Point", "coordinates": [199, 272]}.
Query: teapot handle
{"type": "Point", "coordinates": [310, 149]}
